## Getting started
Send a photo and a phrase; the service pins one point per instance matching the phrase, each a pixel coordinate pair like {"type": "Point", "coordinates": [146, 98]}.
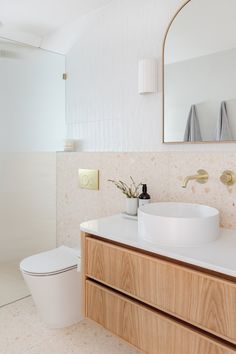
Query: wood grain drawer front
{"type": "Point", "coordinates": [147, 330]}
{"type": "Point", "coordinates": [200, 299]}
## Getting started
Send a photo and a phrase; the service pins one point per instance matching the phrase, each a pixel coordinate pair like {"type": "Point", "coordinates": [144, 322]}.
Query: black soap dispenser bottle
{"type": "Point", "coordinates": [144, 197]}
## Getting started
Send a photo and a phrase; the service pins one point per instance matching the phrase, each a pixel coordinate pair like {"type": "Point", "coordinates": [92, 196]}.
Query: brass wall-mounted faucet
{"type": "Point", "coordinates": [201, 177]}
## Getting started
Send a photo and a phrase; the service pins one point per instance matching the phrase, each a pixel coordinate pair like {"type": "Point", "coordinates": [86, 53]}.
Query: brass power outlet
{"type": "Point", "coordinates": [89, 179]}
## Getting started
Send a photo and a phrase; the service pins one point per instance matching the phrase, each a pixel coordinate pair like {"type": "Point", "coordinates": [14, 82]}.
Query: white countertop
{"type": "Point", "coordinates": [219, 256]}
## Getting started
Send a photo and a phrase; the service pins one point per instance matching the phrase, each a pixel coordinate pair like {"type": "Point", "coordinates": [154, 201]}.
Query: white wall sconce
{"type": "Point", "coordinates": [147, 75]}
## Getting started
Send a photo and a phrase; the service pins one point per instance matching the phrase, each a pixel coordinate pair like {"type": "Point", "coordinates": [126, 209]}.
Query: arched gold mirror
{"type": "Point", "coordinates": [199, 73]}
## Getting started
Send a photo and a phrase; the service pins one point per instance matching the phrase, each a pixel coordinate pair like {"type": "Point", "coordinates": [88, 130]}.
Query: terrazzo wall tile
{"type": "Point", "coordinates": [162, 171]}
{"type": "Point", "coordinates": [213, 193]}
{"type": "Point", "coordinates": [75, 205]}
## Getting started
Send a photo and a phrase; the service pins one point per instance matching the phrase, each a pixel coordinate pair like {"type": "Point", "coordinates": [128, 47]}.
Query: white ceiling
{"type": "Point", "coordinates": [33, 20]}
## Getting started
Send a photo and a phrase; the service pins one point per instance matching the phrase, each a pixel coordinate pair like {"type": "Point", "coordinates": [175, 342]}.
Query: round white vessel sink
{"type": "Point", "coordinates": [178, 224]}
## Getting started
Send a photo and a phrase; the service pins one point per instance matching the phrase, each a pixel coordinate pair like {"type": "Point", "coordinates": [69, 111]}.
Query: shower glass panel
{"type": "Point", "coordinates": [32, 129]}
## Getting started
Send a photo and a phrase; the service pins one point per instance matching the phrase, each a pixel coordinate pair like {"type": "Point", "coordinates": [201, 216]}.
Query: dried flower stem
{"type": "Point", "coordinates": [131, 191]}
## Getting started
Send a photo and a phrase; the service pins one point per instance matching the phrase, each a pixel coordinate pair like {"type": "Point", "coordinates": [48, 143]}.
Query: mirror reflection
{"type": "Point", "coordinates": [199, 73]}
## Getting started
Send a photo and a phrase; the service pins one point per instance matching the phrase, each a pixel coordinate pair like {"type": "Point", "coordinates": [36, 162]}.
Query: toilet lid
{"type": "Point", "coordinates": [53, 261]}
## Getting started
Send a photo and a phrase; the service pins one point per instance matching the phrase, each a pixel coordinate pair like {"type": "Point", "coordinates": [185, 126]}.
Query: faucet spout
{"type": "Point", "coordinates": [187, 179]}
{"type": "Point", "coordinates": [201, 177]}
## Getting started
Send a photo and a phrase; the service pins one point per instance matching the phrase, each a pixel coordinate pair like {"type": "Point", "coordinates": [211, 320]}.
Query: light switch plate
{"type": "Point", "coordinates": [89, 179]}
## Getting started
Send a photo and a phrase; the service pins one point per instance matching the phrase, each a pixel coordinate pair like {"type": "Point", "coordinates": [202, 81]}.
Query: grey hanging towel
{"type": "Point", "coordinates": [192, 130]}
{"type": "Point", "coordinates": [223, 131]}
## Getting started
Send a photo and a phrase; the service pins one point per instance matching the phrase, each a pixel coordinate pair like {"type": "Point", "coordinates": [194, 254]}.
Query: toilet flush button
{"type": "Point", "coordinates": [89, 179]}
{"type": "Point", "coordinates": [84, 181]}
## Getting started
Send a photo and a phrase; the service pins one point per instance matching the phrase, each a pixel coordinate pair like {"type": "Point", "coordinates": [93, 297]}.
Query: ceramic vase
{"type": "Point", "coordinates": [131, 206]}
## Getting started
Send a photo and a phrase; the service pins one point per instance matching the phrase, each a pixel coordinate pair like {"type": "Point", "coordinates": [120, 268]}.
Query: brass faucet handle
{"type": "Point", "coordinates": [228, 178]}
{"type": "Point", "coordinates": [202, 176]}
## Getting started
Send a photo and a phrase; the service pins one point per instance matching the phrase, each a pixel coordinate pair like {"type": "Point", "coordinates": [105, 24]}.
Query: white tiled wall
{"type": "Point", "coordinates": [105, 111]}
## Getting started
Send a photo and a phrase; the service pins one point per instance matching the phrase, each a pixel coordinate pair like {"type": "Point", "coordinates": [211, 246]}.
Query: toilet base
{"type": "Point", "coordinates": [57, 297]}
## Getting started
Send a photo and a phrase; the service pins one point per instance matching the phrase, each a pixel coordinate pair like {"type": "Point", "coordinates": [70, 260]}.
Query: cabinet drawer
{"type": "Point", "coordinates": [149, 331]}
{"type": "Point", "coordinates": [198, 298]}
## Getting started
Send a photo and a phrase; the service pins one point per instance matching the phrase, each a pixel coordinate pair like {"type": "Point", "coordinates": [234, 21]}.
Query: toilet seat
{"type": "Point", "coordinates": [52, 262]}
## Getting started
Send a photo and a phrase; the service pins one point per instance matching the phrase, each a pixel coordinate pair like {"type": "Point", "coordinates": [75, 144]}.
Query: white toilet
{"type": "Point", "coordinates": [54, 280]}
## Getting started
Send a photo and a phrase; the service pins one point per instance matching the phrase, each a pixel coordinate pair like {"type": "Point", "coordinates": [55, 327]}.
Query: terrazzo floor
{"type": "Point", "coordinates": [22, 332]}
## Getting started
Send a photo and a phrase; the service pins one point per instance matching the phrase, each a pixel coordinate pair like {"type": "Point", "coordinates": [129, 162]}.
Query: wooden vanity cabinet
{"type": "Point", "coordinates": [157, 305]}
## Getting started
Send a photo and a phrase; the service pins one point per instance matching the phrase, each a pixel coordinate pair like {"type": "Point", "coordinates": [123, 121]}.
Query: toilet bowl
{"type": "Point", "coordinates": [54, 280]}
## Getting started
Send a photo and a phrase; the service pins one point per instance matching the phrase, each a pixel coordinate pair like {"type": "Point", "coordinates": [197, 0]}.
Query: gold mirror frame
{"type": "Point", "coordinates": [163, 92]}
